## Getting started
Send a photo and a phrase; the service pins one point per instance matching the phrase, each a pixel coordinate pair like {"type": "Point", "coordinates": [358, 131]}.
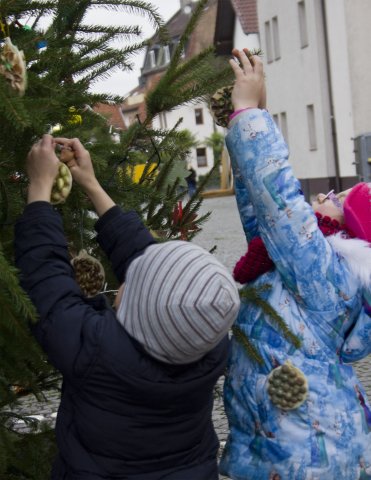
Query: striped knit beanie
{"type": "Point", "coordinates": [178, 301]}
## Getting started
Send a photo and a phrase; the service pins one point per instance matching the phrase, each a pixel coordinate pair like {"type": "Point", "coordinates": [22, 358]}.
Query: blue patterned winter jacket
{"type": "Point", "coordinates": [321, 301]}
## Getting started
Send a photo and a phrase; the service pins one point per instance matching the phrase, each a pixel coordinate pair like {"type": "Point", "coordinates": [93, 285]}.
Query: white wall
{"type": "Point", "coordinates": [357, 17]}
{"type": "Point", "coordinates": [298, 79]}
{"type": "Point", "coordinates": [340, 58]}
{"type": "Point", "coordinates": [187, 112]}
{"type": "Point", "coordinates": [241, 40]}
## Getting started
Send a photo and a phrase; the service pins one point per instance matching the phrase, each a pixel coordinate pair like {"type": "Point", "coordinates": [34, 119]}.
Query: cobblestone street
{"type": "Point", "coordinates": [224, 231]}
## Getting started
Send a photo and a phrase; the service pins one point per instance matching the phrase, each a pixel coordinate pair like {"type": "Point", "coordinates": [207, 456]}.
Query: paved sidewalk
{"type": "Point", "coordinates": [224, 231]}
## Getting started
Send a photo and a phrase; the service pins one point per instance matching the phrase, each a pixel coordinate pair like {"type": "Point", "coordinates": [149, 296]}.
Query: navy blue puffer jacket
{"type": "Point", "coordinates": [123, 415]}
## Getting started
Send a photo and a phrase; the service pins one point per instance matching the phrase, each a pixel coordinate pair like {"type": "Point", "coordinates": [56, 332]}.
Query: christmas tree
{"type": "Point", "coordinates": [45, 79]}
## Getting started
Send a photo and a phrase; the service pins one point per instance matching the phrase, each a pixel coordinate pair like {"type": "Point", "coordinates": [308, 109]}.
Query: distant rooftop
{"type": "Point", "coordinates": [112, 113]}
{"type": "Point", "coordinates": [246, 10]}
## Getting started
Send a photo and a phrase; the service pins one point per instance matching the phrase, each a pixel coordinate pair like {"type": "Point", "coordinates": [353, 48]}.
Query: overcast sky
{"type": "Point", "coordinates": [120, 83]}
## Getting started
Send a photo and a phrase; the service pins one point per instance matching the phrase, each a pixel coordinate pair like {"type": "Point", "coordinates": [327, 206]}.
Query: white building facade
{"type": "Point", "coordinates": [318, 77]}
{"type": "Point", "coordinates": [199, 121]}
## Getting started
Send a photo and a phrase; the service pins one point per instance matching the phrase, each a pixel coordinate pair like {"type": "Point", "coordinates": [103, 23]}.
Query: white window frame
{"type": "Point", "coordinates": [303, 25]}
{"type": "Point", "coordinates": [152, 58]}
{"type": "Point", "coordinates": [166, 54]}
{"type": "Point", "coordinates": [201, 156]}
{"type": "Point", "coordinates": [284, 126]}
{"type": "Point", "coordinates": [312, 135]}
{"type": "Point", "coordinates": [268, 41]}
{"type": "Point", "coordinates": [276, 39]}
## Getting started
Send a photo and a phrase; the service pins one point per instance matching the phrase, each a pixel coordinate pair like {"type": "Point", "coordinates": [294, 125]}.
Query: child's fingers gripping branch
{"type": "Point", "coordinates": [249, 88]}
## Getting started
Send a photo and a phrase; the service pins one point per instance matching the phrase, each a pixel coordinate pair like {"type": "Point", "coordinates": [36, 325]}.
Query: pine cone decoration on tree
{"type": "Point", "coordinates": [221, 105]}
{"type": "Point", "coordinates": [13, 66]}
{"type": "Point", "coordinates": [89, 273]}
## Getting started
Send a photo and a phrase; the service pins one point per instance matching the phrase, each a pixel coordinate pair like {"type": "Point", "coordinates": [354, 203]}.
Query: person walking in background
{"type": "Point", "coordinates": [295, 411]}
{"type": "Point", "coordinates": [138, 381]}
{"type": "Point", "coordinates": [191, 181]}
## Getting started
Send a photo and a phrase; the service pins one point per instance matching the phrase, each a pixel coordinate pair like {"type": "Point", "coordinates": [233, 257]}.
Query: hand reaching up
{"type": "Point", "coordinates": [42, 168]}
{"type": "Point", "coordinates": [249, 88]}
{"type": "Point", "coordinates": [82, 170]}
{"type": "Point", "coordinates": [78, 160]}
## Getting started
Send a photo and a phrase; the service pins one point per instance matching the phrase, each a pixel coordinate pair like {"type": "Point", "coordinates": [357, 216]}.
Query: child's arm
{"type": "Point", "coordinates": [121, 235]}
{"type": "Point", "coordinates": [69, 328]}
{"type": "Point", "coordinates": [286, 222]}
{"type": "Point", "coordinates": [245, 207]}
{"type": "Point", "coordinates": [83, 174]}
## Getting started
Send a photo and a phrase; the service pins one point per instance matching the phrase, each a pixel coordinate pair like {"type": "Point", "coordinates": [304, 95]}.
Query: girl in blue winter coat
{"type": "Point", "coordinates": [296, 409]}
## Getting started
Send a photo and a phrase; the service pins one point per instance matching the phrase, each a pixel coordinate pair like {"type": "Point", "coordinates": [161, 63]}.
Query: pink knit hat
{"type": "Point", "coordinates": [357, 211]}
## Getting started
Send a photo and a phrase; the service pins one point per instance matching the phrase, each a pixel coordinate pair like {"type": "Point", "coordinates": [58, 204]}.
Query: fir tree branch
{"type": "Point", "coordinates": [19, 299]}
{"type": "Point", "coordinates": [249, 348]}
{"type": "Point", "coordinates": [12, 107]}
{"type": "Point", "coordinates": [196, 15]}
{"type": "Point", "coordinates": [3, 203]}
{"type": "Point", "coordinates": [112, 31]}
{"type": "Point", "coordinates": [251, 294]}
{"type": "Point", "coordinates": [137, 8]}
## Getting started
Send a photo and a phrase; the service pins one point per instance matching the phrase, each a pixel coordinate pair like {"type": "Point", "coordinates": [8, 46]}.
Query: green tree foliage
{"type": "Point", "coordinates": [64, 59]}
{"type": "Point", "coordinates": [216, 142]}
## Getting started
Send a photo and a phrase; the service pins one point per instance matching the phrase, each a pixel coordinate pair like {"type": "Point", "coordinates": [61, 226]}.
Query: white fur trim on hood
{"type": "Point", "coordinates": [357, 254]}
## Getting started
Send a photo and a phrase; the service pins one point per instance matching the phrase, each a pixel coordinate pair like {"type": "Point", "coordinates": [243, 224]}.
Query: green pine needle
{"type": "Point", "coordinates": [252, 294]}
{"type": "Point", "coordinates": [249, 348]}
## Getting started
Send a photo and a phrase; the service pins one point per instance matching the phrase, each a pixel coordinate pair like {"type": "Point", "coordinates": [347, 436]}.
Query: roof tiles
{"type": "Point", "coordinates": [246, 10]}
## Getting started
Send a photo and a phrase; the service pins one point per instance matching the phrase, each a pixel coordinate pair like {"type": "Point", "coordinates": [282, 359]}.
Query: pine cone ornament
{"type": "Point", "coordinates": [221, 105]}
{"type": "Point", "coordinates": [13, 66]}
{"type": "Point", "coordinates": [287, 387]}
{"type": "Point", "coordinates": [62, 185]}
{"type": "Point", "coordinates": [89, 273]}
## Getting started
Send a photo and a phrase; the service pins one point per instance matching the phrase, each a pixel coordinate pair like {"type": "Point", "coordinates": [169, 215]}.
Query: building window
{"type": "Point", "coordinates": [166, 54]}
{"type": "Point", "coordinates": [199, 116]}
{"type": "Point", "coordinates": [276, 39]}
{"type": "Point", "coordinates": [311, 127]}
{"type": "Point", "coordinates": [283, 126]}
{"type": "Point", "coordinates": [152, 59]}
{"type": "Point", "coordinates": [303, 24]}
{"type": "Point", "coordinates": [162, 119]}
{"type": "Point", "coordinates": [268, 41]}
{"type": "Point", "coordinates": [281, 121]}
{"type": "Point", "coordinates": [201, 157]}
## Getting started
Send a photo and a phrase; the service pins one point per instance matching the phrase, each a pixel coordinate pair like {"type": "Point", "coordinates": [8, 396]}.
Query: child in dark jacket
{"type": "Point", "coordinates": [137, 382]}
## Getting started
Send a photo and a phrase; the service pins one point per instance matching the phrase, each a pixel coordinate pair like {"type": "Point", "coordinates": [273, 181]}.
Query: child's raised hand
{"type": "Point", "coordinates": [42, 168]}
{"type": "Point", "coordinates": [249, 88]}
{"type": "Point", "coordinates": [78, 160]}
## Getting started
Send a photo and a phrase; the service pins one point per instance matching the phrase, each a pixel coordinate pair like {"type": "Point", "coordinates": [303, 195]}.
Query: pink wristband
{"type": "Point", "coordinates": [234, 114]}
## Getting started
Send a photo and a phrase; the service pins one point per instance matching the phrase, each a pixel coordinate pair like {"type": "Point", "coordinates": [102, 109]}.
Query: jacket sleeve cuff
{"type": "Point", "coordinates": [245, 113]}
{"type": "Point", "coordinates": [36, 209]}
{"type": "Point", "coordinates": [105, 219]}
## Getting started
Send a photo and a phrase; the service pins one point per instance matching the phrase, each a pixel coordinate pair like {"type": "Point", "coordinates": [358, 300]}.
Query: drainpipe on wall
{"type": "Point", "coordinates": [338, 183]}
